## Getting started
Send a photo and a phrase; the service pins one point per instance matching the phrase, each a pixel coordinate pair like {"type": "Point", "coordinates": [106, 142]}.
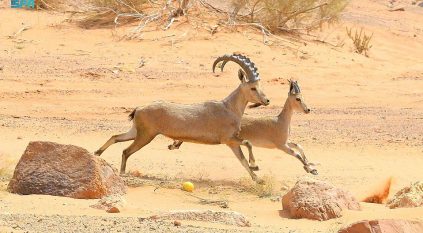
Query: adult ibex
{"type": "Point", "coordinates": [273, 132]}
{"type": "Point", "coordinates": [212, 122]}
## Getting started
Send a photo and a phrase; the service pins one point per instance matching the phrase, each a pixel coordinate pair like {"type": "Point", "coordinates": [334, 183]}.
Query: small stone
{"type": "Point", "coordinates": [177, 223]}
{"type": "Point", "coordinates": [275, 198]}
{"type": "Point", "coordinates": [135, 173]}
{"type": "Point", "coordinates": [113, 210]}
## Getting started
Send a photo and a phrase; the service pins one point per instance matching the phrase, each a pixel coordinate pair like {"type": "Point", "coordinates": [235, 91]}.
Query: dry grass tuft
{"type": "Point", "coordinates": [293, 15]}
{"type": "Point", "coordinates": [6, 168]}
{"type": "Point", "coordinates": [50, 4]}
{"type": "Point", "coordinates": [360, 40]}
{"type": "Point", "coordinates": [270, 187]}
{"type": "Point", "coordinates": [106, 13]}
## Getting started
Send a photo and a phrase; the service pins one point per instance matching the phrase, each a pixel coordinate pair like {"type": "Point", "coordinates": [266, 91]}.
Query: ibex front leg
{"type": "Point", "coordinates": [308, 164]}
{"type": "Point", "coordinates": [251, 158]}
{"type": "Point", "coordinates": [287, 149]}
{"type": "Point", "coordinates": [234, 144]}
{"type": "Point", "coordinates": [300, 149]}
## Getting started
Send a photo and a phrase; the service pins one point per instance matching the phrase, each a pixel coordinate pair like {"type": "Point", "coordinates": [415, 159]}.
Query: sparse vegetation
{"type": "Point", "coordinates": [51, 4]}
{"type": "Point", "coordinates": [360, 40]}
{"type": "Point", "coordinates": [293, 15]}
{"type": "Point", "coordinates": [104, 13]}
{"type": "Point", "coordinates": [269, 188]}
{"type": "Point", "coordinates": [5, 168]}
{"type": "Point", "coordinates": [269, 16]}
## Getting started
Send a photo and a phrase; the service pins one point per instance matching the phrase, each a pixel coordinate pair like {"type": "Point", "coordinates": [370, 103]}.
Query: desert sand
{"type": "Point", "coordinates": [69, 85]}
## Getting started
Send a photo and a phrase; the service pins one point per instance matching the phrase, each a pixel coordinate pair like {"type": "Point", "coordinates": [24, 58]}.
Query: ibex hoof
{"type": "Point", "coordinates": [311, 170]}
{"type": "Point", "coordinates": [260, 181]}
{"type": "Point", "coordinates": [172, 147]}
{"type": "Point", "coordinates": [98, 152]}
{"type": "Point", "coordinates": [123, 174]}
{"type": "Point", "coordinates": [255, 168]}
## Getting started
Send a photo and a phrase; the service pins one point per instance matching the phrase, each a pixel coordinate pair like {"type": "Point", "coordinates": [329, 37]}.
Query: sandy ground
{"type": "Point", "coordinates": [57, 83]}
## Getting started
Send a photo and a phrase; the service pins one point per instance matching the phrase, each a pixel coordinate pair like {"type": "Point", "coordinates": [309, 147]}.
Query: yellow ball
{"type": "Point", "coordinates": [188, 186]}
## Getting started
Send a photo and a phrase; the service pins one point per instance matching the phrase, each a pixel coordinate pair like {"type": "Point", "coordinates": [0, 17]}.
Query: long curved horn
{"type": "Point", "coordinates": [246, 64]}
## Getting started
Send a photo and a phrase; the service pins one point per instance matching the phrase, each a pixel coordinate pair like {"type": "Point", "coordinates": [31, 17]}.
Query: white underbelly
{"type": "Point", "coordinates": [263, 143]}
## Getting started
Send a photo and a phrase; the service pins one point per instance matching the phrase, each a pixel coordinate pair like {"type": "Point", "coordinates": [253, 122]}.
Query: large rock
{"type": "Point", "coordinates": [64, 170]}
{"type": "Point", "coordinates": [384, 226]}
{"type": "Point", "coordinates": [411, 196]}
{"type": "Point", "coordinates": [318, 200]}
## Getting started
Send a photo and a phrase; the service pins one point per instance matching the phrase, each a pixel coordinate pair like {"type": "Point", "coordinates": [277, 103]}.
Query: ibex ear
{"type": "Point", "coordinates": [292, 87]}
{"type": "Point", "coordinates": [241, 76]}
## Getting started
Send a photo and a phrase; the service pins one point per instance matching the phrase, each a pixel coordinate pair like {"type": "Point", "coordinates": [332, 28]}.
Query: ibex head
{"type": "Point", "coordinates": [295, 97]}
{"type": "Point", "coordinates": [249, 77]}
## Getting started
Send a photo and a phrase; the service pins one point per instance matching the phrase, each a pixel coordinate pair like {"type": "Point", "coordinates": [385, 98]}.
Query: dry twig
{"type": "Point", "coordinates": [16, 34]}
{"type": "Point", "coordinates": [220, 203]}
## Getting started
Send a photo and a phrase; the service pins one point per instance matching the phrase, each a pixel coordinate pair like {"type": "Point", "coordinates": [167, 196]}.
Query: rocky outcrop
{"type": "Point", "coordinates": [384, 226]}
{"type": "Point", "coordinates": [64, 170]}
{"type": "Point", "coordinates": [411, 196]}
{"type": "Point", "coordinates": [317, 200]}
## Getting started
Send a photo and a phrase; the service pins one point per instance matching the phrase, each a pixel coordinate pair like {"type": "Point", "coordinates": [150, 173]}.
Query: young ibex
{"type": "Point", "coordinates": [212, 122]}
{"type": "Point", "coordinates": [273, 132]}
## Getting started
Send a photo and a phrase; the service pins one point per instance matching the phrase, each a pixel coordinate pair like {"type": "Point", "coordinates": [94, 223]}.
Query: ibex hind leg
{"type": "Point", "coordinates": [130, 135]}
{"type": "Point", "coordinates": [140, 141]}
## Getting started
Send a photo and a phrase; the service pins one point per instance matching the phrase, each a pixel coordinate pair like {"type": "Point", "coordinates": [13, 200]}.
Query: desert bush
{"type": "Point", "coordinates": [122, 6]}
{"type": "Point", "coordinates": [45, 4]}
{"type": "Point", "coordinates": [105, 13]}
{"type": "Point", "coordinates": [57, 5]}
{"type": "Point", "coordinates": [360, 40]}
{"type": "Point", "coordinates": [291, 15]}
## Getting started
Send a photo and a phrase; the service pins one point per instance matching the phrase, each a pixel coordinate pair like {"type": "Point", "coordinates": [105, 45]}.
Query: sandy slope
{"type": "Point", "coordinates": [366, 125]}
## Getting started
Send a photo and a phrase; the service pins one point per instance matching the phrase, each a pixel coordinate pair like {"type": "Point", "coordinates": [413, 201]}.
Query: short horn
{"type": "Point", "coordinates": [246, 64]}
{"type": "Point", "coordinates": [296, 87]}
